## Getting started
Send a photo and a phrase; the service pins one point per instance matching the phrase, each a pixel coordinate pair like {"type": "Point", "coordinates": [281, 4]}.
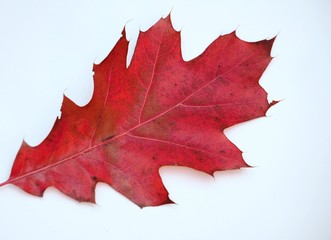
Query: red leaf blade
{"type": "Point", "coordinates": [159, 111]}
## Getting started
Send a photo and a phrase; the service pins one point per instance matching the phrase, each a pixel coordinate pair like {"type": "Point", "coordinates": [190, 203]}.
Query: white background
{"type": "Point", "coordinates": [47, 49]}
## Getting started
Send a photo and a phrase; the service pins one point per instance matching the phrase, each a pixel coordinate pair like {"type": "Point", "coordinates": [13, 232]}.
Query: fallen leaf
{"type": "Point", "coordinates": [159, 111]}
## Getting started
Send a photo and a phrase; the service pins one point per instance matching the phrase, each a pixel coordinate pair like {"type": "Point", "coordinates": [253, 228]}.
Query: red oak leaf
{"type": "Point", "coordinates": [159, 111]}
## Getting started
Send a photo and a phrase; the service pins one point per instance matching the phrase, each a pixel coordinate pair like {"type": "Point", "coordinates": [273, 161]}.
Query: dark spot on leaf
{"type": "Point", "coordinates": [107, 138]}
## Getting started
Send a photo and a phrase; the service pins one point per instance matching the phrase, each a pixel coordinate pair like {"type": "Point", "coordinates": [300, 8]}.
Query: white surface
{"type": "Point", "coordinates": [47, 48]}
